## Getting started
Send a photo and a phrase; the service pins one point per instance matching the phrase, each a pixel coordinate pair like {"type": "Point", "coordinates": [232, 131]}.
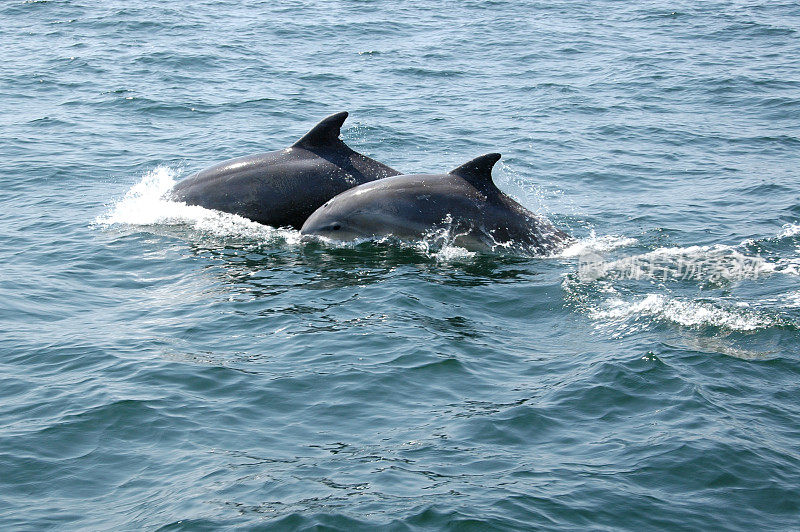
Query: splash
{"type": "Point", "coordinates": [453, 254]}
{"type": "Point", "coordinates": [440, 244]}
{"type": "Point", "coordinates": [144, 205]}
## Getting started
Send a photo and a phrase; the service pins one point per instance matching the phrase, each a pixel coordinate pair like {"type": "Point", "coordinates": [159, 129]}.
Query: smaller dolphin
{"type": "Point", "coordinates": [466, 202]}
{"type": "Point", "coordinates": [282, 188]}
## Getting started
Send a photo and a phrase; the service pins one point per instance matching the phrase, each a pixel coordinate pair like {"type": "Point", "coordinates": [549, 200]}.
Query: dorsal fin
{"type": "Point", "coordinates": [324, 133]}
{"type": "Point", "coordinates": [478, 172]}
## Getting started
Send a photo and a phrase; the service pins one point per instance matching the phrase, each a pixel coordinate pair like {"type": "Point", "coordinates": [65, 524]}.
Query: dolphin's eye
{"type": "Point", "coordinates": [336, 227]}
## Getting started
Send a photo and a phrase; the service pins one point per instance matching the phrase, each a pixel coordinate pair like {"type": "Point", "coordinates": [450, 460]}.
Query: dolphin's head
{"type": "Point", "coordinates": [330, 227]}
{"type": "Point", "coordinates": [350, 216]}
{"type": "Point", "coordinates": [336, 222]}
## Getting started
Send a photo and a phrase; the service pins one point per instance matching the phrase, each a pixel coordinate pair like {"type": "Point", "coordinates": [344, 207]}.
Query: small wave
{"type": "Point", "coordinates": [788, 266]}
{"type": "Point", "coordinates": [700, 263]}
{"type": "Point", "coordinates": [144, 205]}
{"type": "Point", "coordinates": [628, 315]}
{"type": "Point", "coordinates": [618, 308]}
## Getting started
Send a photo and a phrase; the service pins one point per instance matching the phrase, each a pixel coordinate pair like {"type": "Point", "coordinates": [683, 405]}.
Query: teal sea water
{"type": "Point", "coordinates": [167, 367]}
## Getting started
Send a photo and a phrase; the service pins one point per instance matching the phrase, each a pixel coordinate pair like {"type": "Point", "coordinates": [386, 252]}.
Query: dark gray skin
{"type": "Point", "coordinates": [282, 188]}
{"type": "Point", "coordinates": [465, 201]}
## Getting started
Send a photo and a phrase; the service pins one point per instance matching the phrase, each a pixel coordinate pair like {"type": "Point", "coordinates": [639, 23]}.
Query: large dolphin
{"type": "Point", "coordinates": [465, 202]}
{"type": "Point", "coordinates": [282, 188]}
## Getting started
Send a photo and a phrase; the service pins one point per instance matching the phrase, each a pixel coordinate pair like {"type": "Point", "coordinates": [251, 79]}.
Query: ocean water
{"type": "Point", "coordinates": [170, 367]}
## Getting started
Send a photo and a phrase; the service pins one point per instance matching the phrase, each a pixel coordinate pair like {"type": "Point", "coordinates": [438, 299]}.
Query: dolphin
{"type": "Point", "coordinates": [282, 188]}
{"type": "Point", "coordinates": [465, 202]}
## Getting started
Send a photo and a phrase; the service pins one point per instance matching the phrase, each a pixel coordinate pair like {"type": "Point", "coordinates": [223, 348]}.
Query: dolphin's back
{"type": "Point", "coordinates": [282, 188]}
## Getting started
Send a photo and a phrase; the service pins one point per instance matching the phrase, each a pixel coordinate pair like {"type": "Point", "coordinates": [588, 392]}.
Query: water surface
{"type": "Point", "coordinates": [172, 367]}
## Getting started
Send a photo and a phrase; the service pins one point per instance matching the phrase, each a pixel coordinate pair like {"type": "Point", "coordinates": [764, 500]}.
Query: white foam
{"type": "Point", "coordinates": [628, 314]}
{"type": "Point", "coordinates": [789, 230]}
{"type": "Point", "coordinates": [594, 244]}
{"type": "Point", "coordinates": [792, 299]}
{"type": "Point", "coordinates": [144, 204]}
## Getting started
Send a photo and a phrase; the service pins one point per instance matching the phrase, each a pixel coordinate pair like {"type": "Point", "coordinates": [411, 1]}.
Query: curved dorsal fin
{"type": "Point", "coordinates": [478, 172]}
{"type": "Point", "coordinates": [326, 132]}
